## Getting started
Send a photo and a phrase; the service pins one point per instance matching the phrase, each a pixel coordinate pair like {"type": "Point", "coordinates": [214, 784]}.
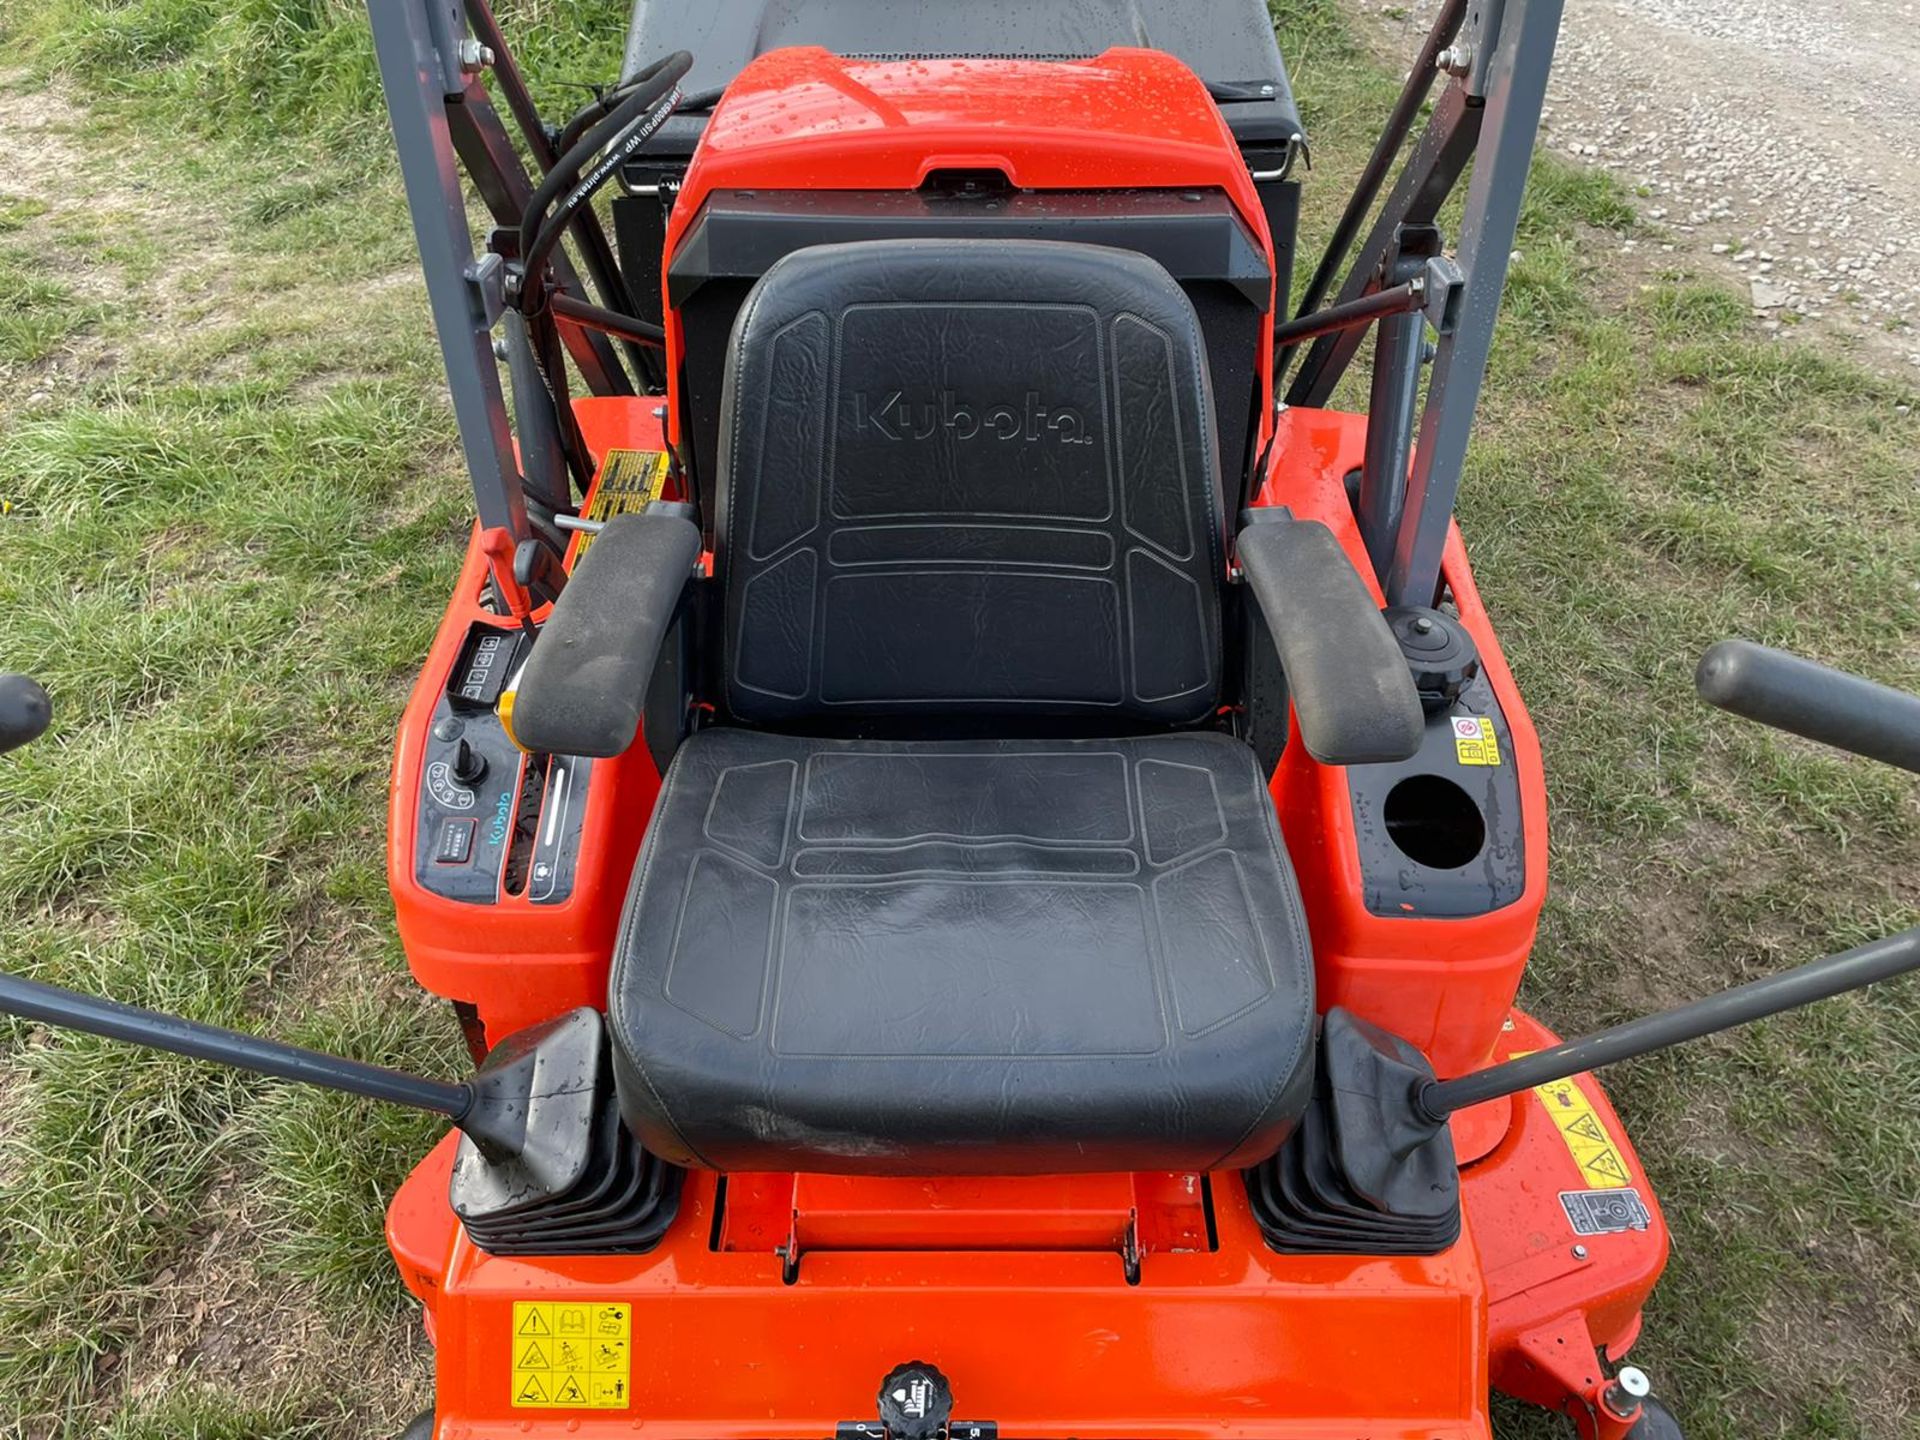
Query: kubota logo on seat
{"type": "Point", "coordinates": [894, 417]}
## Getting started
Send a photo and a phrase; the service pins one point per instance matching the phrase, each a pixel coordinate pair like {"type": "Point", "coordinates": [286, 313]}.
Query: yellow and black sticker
{"type": "Point", "coordinates": [572, 1356]}
{"type": "Point", "coordinates": [1585, 1133]}
{"type": "Point", "coordinates": [1474, 741]}
{"type": "Point", "coordinates": [630, 480]}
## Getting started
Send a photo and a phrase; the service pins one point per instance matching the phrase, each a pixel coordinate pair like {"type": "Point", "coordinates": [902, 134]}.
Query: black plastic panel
{"type": "Point", "coordinates": [469, 829]}
{"type": "Point", "coordinates": [1195, 234]}
{"type": "Point", "coordinates": [1406, 840]}
{"type": "Point", "coordinates": [464, 828]}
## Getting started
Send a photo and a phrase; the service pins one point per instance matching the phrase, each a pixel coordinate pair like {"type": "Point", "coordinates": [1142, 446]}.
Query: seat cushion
{"type": "Point", "coordinates": [969, 478]}
{"type": "Point", "coordinates": [986, 957]}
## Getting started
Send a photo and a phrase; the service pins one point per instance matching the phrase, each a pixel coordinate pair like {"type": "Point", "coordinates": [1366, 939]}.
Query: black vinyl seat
{"type": "Point", "coordinates": [963, 956]}
{"type": "Point", "coordinates": [969, 494]}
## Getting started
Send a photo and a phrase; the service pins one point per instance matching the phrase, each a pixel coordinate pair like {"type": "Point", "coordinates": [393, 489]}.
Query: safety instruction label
{"type": "Point", "coordinates": [1473, 740]}
{"type": "Point", "coordinates": [630, 480]}
{"type": "Point", "coordinates": [1605, 1212]}
{"type": "Point", "coordinates": [572, 1356]}
{"type": "Point", "coordinates": [1588, 1141]}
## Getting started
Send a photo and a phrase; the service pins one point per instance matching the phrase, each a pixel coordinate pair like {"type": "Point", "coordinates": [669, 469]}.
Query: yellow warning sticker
{"type": "Point", "coordinates": [572, 1356]}
{"type": "Point", "coordinates": [1586, 1135]}
{"type": "Point", "coordinates": [630, 480]}
{"type": "Point", "coordinates": [1474, 741]}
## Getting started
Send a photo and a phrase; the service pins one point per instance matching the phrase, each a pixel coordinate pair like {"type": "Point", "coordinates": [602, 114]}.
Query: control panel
{"type": "Point", "coordinates": [494, 822]}
{"type": "Point", "coordinates": [1441, 834]}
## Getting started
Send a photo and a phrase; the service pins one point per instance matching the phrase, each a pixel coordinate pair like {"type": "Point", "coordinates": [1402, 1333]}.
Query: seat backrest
{"type": "Point", "coordinates": [969, 478]}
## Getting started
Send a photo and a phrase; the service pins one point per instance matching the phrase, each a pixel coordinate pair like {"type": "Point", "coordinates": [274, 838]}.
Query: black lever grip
{"type": "Point", "coordinates": [1812, 700]}
{"type": "Point", "coordinates": [25, 711]}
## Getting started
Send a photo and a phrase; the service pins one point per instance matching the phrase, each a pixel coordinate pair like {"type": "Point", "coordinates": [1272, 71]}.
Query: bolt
{"type": "Point", "coordinates": [499, 347]}
{"type": "Point", "coordinates": [1266, 89]}
{"type": "Point", "coordinates": [1456, 59]}
{"type": "Point", "coordinates": [1422, 625]}
{"type": "Point", "coordinates": [474, 57]}
{"type": "Point", "coordinates": [1579, 1252]}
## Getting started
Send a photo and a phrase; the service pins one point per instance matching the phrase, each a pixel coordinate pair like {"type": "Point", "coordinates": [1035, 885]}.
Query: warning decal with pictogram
{"type": "Point", "coordinates": [1585, 1134]}
{"type": "Point", "coordinates": [571, 1356]}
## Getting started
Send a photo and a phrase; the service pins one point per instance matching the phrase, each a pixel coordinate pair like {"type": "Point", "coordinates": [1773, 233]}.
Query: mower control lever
{"type": "Point", "coordinates": [25, 711]}
{"type": "Point", "coordinates": [1817, 980]}
{"type": "Point", "coordinates": [476, 1107]}
{"type": "Point", "coordinates": [70, 1010]}
{"type": "Point", "coordinates": [1813, 701]}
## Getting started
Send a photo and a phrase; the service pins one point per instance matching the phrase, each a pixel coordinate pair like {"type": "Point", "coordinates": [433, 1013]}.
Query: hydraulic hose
{"type": "Point", "coordinates": [627, 140]}
{"type": "Point", "coordinates": [638, 113]}
{"type": "Point", "coordinates": [594, 111]}
{"type": "Point", "coordinates": [645, 88]}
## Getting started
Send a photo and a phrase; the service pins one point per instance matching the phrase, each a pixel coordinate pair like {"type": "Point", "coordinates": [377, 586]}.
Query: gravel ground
{"type": "Point", "coordinates": [1780, 136]}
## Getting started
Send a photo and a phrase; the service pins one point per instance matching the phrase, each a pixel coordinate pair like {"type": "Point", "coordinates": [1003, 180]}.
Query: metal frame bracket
{"type": "Point", "coordinates": [447, 27]}
{"type": "Point", "coordinates": [487, 276]}
{"type": "Point", "coordinates": [1442, 285]}
{"type": "Point", "coordinates": [1497, 54]}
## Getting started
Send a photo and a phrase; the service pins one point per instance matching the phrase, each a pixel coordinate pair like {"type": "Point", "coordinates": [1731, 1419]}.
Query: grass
{"type": "Point", "coordinates": [232, 514]}
{"type": "Point", "coordinates": [1651, 473]}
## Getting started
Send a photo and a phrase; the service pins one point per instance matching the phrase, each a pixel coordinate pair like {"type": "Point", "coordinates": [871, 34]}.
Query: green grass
{"type": "Point", "coordinates": [231, 519]}
{"type": "Point", "coordinates": [232, 514]}
{"type": "Point", "coordinates": [1651, 473]}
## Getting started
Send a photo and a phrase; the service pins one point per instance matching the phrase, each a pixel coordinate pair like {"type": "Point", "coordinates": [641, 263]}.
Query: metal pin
{"type": "Point", "coordinates": [1629, 1388]}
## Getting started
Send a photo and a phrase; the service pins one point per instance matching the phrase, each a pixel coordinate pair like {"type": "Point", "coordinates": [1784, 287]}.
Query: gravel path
{"type": "Point", "coordinates": [1782, 136]}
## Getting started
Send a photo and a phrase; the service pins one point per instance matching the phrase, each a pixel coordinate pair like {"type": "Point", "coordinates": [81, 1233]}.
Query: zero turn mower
{"type": "Point", "coordinates": [980, 835]}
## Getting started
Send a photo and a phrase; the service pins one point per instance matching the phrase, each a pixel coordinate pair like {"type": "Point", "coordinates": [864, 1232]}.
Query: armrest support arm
{"type": "Point", "coordinates": [584, 688]}
{"type": "Point", "coordinates": [1352, 692]}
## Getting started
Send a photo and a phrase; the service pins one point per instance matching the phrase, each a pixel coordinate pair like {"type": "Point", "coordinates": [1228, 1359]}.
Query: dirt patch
{"type": "Point", "coordinates": [1770, 139]}
{"type": "Point", "coordinates": [42, 157]}
{"type": "Point", "coordinates": [53, 155]}
{"type": "Point", "coordinates": [215, 1315]}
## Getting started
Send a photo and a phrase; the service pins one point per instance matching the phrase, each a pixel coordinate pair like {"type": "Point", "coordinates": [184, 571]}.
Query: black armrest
{"type": "Point", "coordinates": [1350, 685]}
{"type": "Point", "coordinates": [583, 690]}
